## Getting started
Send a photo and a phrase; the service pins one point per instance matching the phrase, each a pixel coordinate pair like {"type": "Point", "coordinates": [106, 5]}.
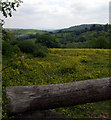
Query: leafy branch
{"type": "Point", "coordinates": [7, 7]}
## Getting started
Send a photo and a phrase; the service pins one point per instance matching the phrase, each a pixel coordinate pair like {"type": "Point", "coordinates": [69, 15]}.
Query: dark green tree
{"type": "Point", "coordinates": [47, 40]}
{"type": "Point", "coordinates": [101, 42]}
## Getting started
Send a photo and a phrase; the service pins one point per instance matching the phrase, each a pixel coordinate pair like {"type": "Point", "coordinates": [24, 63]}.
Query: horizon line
{"type": "Point", "coordinates": [55, 28]}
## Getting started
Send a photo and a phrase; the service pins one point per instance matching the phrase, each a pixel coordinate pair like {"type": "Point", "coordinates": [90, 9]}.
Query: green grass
{"type": "Point", "coordinates": [62, 66]}
{"type": "Point", "coordinates": [26, 31]}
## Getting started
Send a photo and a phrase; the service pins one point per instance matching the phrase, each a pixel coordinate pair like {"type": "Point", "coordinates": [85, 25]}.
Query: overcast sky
{"type": "Point", "coordinates": [54, 14]}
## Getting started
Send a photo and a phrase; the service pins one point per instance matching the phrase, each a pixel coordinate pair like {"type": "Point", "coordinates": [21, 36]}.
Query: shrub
{"type": "Point", "coordinates": [26, 46]}
{"type": "Point", "coordinates": [47, 40]}
{"type": "Point", "coordinates": [37, 50]}
{"type": "Point", "coordinates": [10, 50]}
{"type": "Point", "coordinates": [40, 51]}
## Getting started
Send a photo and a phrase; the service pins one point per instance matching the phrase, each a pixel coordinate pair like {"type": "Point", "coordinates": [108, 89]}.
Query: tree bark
{"type": "Point", "coordinates": [41, 115]}
{"type": "Point", "coordinates": [41, 97]}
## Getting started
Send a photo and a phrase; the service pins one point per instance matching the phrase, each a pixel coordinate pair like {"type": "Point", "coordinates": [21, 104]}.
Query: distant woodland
{"type": "Point", "coordinates": [37, 42]}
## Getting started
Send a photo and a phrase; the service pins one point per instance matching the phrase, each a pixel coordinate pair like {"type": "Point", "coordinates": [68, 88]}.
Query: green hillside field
{"type": "Point", "coordinates": [25, 31]}
{"type": "Point", "coordinates": [62, 66]}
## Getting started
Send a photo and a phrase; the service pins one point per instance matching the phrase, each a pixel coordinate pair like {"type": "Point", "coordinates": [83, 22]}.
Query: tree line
{"type": "Point", "coordinates": [97, 36]}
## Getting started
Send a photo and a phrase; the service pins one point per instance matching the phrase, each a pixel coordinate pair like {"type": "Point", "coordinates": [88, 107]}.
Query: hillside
{"type": "Point", "coordinates": [80, 36]}
{"type": "Point", "coordinates": [25, 31]}
{"type": "Point", "coordinates": [22, 34]}
{"type": "Point", "coordinates": [78, 27]}
{"type": "Point", "coordinates": [34, 31]}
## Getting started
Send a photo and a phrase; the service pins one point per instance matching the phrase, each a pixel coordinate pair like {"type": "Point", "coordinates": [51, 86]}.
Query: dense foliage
{"type": "Point", "coordinates": [27, 47]}
{"type": "Point", "coordinates": [8, 49]}
{"type": "Point", "coordinates": [83, 36]}
{"type": "Point", "coordinates": [40, 51]}
{"type": "Point", "coordinates": [12, 47]}
{"type": "Point", "coordinates": [47, 40]}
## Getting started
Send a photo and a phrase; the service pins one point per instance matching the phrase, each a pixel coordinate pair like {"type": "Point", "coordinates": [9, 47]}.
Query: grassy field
{"type": "Point", "coordinates": [26, 31]}
{"type": "Point", "coordinates": [62, 66]}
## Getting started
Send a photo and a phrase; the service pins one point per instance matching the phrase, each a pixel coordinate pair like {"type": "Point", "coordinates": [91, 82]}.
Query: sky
{"type": "Point", "coordinates": [57, 14]}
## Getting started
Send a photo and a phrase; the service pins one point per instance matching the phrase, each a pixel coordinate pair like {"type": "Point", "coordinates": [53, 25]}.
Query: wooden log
{"type": "Point", "coordinates": [41, 97]}
{"type": "Point", "coordinates": [41, 115]}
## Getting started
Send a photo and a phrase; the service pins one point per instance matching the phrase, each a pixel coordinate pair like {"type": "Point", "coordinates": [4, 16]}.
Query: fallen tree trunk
{"type": "Point", "coordinates": [41, 97]}
{"type": "Point", "coordinates": [41, 115]}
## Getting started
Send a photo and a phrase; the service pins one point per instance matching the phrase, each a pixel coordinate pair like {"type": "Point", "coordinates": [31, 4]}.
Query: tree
{"type": "Point", "coordinates": [101, 42]}
{"type": "Point", "coordinates": [106, 27]}
{"type": "Point", "coordinates": [7, 36]}
{"type": "Point", "coordinates": [93, 27]}
{"type": "Point", "coordinates": [8, 7]}
{"type": "Point", "coordinates": [47, 40]}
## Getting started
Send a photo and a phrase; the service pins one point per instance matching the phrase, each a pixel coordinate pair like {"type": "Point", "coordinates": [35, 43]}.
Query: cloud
{"type": "Point", "coordinates": [58, 13]}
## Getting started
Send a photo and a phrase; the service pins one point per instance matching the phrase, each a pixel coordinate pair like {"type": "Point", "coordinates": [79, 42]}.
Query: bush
{"type": "Point", "coordinates": [100, 42]}
{"type": "Point", "coordinates": [40, 51]}
{"type": "Point", "coordinates": [37, 50]}
{"type": "Point", "coordinates": [26, 46]}
{"type": "Point", "coordinates": [47, 40]}
{"type": "Point", "coordinates": [10, 50]}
